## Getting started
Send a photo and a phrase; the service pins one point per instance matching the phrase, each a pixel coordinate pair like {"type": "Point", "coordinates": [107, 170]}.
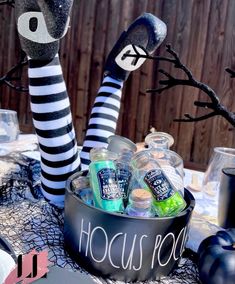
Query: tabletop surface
{"type": "Point", "coordinates": [29, 222]}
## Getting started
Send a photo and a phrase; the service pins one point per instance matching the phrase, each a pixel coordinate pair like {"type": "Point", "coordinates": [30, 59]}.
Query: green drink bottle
{"type": "Point", "coordinates": [103, 179]}
{"type": "Point", "coordinates": [167, 200]}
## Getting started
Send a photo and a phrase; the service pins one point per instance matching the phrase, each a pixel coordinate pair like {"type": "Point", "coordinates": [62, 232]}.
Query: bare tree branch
{"type": "Point", "coordinates": [231, 72]}
{"type": "Point", "coordinates": [191, 81]}
{"type": "Point", "coordinates": [189, 118]}
{"type": "Point", "coordinates": [9, 76]}
{"type": "Point", "coordinates": [170, 82]}
{"type": "Point", "coordinates": [8, 2]}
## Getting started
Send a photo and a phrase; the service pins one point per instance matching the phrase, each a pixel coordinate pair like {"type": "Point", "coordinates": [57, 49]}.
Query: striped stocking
{"type": "Point", "coordinates": [54, 128]}
{"type": "Point", "coordinates": [103, 119]}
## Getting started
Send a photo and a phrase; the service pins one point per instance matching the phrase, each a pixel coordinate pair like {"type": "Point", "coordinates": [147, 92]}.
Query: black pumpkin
{"type": "Point", "coordinates": [216, 258]}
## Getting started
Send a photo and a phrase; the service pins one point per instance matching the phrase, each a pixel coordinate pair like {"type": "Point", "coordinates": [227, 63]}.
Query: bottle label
{"type": "Point", "coordinates": [159, 184]}
{"type": "Point", "coordinates": [108, 185]}
{"type": "Point", "coordinates": [124, 177]}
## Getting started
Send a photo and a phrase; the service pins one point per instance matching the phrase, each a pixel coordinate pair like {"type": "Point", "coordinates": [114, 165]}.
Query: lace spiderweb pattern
{"type": "Point", "coordinates": [29, 222]}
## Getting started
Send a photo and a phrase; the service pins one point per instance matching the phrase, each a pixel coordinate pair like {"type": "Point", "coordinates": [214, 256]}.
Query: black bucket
{"type": "Point", "coordinates": [122, 247]}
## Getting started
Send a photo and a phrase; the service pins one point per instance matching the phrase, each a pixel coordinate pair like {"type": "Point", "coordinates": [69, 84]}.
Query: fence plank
{"type": "Point", "coordinates": [180, 44]}
{"type": "Point", "coordinates": [200, 31]}
{"type": "Point", "coordinates": [161, 103]}
{"type": "Point", "coordinates": [221, 128]}
{"type": "Point", "coordinates": [196, 47]}
{"type": "Point", "coordinates": [85, 43]}
{"type": "Point", "coordinates": [211, 75]}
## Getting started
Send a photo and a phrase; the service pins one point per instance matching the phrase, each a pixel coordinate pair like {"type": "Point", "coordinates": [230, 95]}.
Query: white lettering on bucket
{"type": "Point", "coordinates": [110, 247]}
{"type": "Point", "coordinates": [106, 244]}
{"type": "Point", "coordinates": [160, 249]}
{"type": "Point", "coordinates": [184, 230]}
{"type": "Point", "coordinates": [130, 247]}
{"type": "Point", "coordinates": [157, 243]}
{"type": "Point", "coordinates": [141, 254]}
{"type": "Point", "coordinates": [88, 236]}
{"type": "Point", "coordinates": [130, 258]}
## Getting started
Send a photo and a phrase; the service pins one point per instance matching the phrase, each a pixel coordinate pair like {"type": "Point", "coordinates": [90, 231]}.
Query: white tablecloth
{"type": "Point", "coordinates": [204, 219]}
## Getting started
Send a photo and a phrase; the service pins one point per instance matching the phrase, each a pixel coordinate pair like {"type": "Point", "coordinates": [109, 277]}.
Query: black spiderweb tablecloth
{"type": "Point", "coordinates": [28, 222]}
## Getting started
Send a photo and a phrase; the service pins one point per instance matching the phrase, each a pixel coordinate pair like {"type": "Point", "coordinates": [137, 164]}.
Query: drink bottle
{"type": "Point", "coordinates": [103, 180]}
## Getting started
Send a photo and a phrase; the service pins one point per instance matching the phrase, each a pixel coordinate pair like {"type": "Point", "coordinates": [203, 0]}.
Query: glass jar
{"type": "Point", "coordinates": [169, 160]}
{"type": "Point", "coordinates": [167, 200]}
{"type": "Point", "coordinates": [81, 188]}
{"type": "Point", "coordinates": [140, 204]}
{"type": "Point", "coordinates": [160, 140]}
{"type": "Point", "coordinates": [124, 172]}
{"type": "Point", "coordinates": [125, 149]}
{"type": "Point", "coordinates": [103, 179]}
{"type": "Point", "coordinates": [172, 165]}
{"type": "Point", "coordinates": [118, 143]}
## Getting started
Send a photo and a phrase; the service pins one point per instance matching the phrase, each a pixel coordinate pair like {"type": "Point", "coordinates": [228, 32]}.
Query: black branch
{"type": "Point", "coordinates": [170, 81]}
{"type": "Point", "coordinates": [231, 72]}
{"type": "Point", "coordinates": [10, 77]}
{"type": "Point", "coordinates": [8, 2]}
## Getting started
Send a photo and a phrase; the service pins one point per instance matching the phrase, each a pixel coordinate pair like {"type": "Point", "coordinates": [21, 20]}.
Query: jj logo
{"type": "Point", "coordinates": [29, 268]}
{"type": "Point", "coordinates": [34, 271]}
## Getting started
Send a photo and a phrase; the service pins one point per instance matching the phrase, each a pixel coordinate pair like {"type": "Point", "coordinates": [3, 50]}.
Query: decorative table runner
{"type": "Point", "coordinates": [28, 222]}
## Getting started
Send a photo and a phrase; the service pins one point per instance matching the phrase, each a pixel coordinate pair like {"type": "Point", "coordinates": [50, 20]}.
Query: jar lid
{"type": "Point", "coordinates": [80, 182]}
{"type": "Point", "coordinates": [102, 154]}
{"type": "Point", "coordinates": [159, 140]}
{"type": "Point", "coordinates": [141, 198]}
{"type": "Point", "coordinates": [118, 143]}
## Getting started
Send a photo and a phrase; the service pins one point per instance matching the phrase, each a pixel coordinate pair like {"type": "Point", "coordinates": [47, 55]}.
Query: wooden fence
{"type": "Point", "coordinates": [201, 31]}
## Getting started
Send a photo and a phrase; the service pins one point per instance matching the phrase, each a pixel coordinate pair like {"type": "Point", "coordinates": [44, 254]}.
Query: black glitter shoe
{"type": "Point", "coordinates": [145, 34]}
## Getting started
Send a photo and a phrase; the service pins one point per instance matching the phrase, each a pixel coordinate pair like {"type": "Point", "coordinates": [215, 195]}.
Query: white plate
{"type": "Point", "coordinates": [7, 263]}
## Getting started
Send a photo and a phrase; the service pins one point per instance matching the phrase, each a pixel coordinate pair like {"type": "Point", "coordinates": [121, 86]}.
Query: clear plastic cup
{"type": "Point", "coordinates": [9, 126]}
{"type": "Point", "coordinates": [221, 157]}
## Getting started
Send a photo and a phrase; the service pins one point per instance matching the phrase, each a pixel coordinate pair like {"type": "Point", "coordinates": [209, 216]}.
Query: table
{"type": "Point", "coordinates": [28, 222]}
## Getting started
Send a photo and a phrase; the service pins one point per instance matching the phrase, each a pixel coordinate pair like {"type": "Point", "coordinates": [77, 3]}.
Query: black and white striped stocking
{"type": "Point", "coordinates": [54, 128]}
{"type": "Point", "coordinates": [103, 119]}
